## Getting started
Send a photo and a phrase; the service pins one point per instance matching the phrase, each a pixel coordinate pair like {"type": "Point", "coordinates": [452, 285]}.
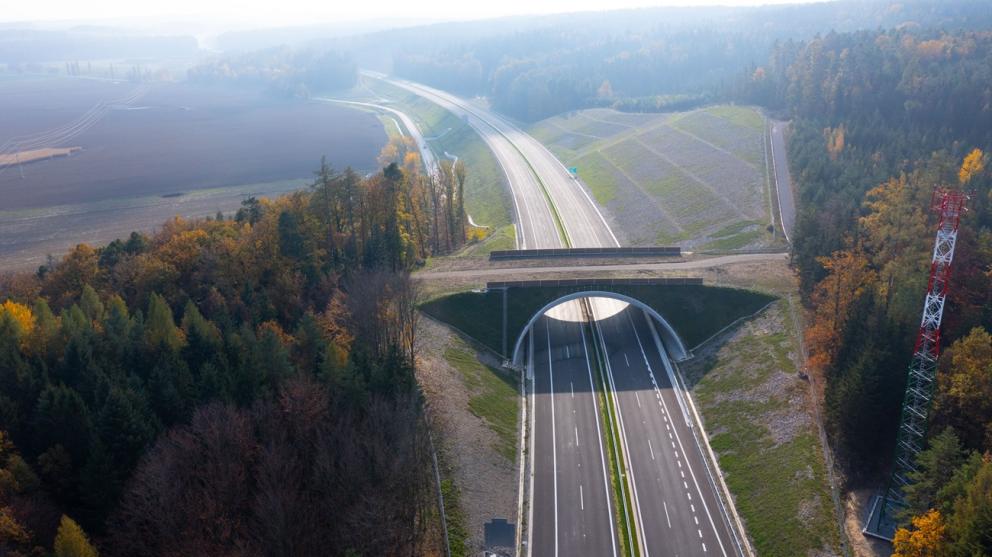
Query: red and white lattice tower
{"type": "Point", "coordinates": [911, 438]}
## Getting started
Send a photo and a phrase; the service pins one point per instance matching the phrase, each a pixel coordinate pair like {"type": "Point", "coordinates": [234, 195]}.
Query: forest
{"type": "Point", "coordinates": [282, 71]}
{"type": "Point", "coordinates": [881, 118]}
{"type": "Point", "coordinates": [234, 385]}
{"type": "Point", "coordinates": [655, 60]}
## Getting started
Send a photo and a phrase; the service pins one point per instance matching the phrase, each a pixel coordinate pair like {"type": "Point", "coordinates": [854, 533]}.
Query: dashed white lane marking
{"type": "Point", "coordinates": [576, 436]}
{"type": "Point", "coordinates": [668, 518]}
{"type": "Point", "coordinates": [554, 443]}
{"type": "Point", "coordinates": [638, 399]}
{"type": "Point", "coordinates": [683, 474]}
{"type": "Point", "coordinates": [696, 518]}
{"type": "Point", "coordinates": [651, 449]}
{"type": "Point", "coordinates": [700, 533]}
{"type": "Point", "coordinates": [673, 444]}
{"type": "Point", "coordinates": [567, 353]}
{"type": "Point", "coordinates": [685, 485]}
{"type": "Point", "coordinates": [626, 359]}
{"type": "Point", "coordinates": [704, 547]}
{"type": "Point", "coordinates": [582, 500]}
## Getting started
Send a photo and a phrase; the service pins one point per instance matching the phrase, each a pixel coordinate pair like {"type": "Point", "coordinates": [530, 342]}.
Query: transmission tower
{"type": "Point", "coordinates": [911, 437]}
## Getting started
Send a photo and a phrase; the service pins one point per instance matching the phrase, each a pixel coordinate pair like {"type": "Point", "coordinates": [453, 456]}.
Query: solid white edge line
{"type": "Point", "coordinates": [533, 402]}
{"type": "Point", "coordinates": [554, 437]}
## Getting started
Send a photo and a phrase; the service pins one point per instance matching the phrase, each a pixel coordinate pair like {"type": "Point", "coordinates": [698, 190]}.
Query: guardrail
{"type": "Point", "coordinates": [667, 281]}
{"type": "Point", "coordinates": [653, 251]}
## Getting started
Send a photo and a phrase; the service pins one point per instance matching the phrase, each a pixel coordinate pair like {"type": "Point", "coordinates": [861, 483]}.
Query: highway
{"type": "Point", "coordinates": [570, 510]}
{"type": "Point", "coordinates": [673, 496]}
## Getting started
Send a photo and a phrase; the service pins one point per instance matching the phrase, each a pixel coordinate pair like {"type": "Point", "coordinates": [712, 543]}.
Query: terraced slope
{"type": "Point", "coordinates": [696, 179]}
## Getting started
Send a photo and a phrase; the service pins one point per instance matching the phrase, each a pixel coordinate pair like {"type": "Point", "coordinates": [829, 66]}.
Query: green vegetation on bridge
{"type": "Point", "coordinates": [696, 312]}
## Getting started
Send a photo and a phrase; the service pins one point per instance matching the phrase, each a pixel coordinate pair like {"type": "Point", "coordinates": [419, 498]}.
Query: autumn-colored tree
{"type": "Point", "coordinates": [848, 277]}
{"type": "Point", "coordinates": [928, 538]}
{"type": "Point", "coordinates": [160, 328]}
{"type": "Point", "coordinates": [21, 317]}
{"type": "Point", "coordinates": [973, 164]}
{"type": "Point", "coordinates": [964, 396]}
{"type": "Point", "coordinates": [71, 541]}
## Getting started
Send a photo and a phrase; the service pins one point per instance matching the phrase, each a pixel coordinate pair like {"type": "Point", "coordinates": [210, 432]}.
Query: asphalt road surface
{"type": "Point", "coordinates": [426, 155]}
{"type": "Point", "coordinates": [572, 512]}
{"type": "Point", "coordinates": [674, 501]}
{"type": "Point", "coordinates": [783, 180]}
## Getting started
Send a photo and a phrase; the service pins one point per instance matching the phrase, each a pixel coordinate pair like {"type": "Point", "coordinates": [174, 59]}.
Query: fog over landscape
{"type": "Point", "coordinates": [383, 278]}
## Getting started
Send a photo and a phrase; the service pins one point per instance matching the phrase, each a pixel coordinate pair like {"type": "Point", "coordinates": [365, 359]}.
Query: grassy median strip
{"type": "Point", "coordinates": [622, 503]}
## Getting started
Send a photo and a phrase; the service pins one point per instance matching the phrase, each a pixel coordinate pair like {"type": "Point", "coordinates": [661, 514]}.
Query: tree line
{"type": "Point", "coordinates": [651, 60]}
{"type": "Point", "coordinates": [233, 385]}
{"type": "Point", "coordinates": [283, 71]}
{"type": "Point", "coordinates": [879, 118]}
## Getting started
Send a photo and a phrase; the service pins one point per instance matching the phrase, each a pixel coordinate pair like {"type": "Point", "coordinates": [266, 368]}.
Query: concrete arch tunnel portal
{"type": "Point", "coordinates": [670, 338]}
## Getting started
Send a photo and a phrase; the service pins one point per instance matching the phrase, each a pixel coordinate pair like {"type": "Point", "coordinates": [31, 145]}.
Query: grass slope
{"type": "Point", "coordinates": [671, 178]}
{"type": "Point", "coordinates": [495, 396]}
{"type": "Point", "coordinates": [753, 405]}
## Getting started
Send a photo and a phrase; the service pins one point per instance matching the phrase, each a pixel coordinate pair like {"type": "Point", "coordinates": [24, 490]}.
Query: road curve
{"type": "Point", "coordinates": [426, 155]}
{"type": "Point", "coordinates": [535, 220]}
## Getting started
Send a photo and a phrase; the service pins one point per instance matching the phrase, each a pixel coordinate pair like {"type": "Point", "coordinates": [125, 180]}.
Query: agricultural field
{"type": "Point", "coordinates": [149, 152]}
{"type": "Point", "coordinates": [695, 179]}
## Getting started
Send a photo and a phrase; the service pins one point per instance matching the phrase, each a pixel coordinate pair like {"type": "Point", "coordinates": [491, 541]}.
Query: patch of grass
{"type": "Point", "coordinates": [504, 237]}
{"type": "Point", "coordinates": [779, 486]}
{"type": "Point", "coordinates": [741, 115]}
{"type": "Point", "coordinates": [734, 228]}
{"type": "Point", "coordinates": [495, 398]}
{"type": "Point", "coordinates": [456, 521]}
{"type": "Point", "coordinates": [737, 241]}
{"type": "Point", "coordinates": [599, 175]}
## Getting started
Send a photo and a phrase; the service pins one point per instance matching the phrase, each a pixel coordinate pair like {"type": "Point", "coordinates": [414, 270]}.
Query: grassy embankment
{"type": "Point", "coordinates": [754, 408]}
{"type": "Point", "coordinates": [495, 396]}
{"type": "Point", "coordinates": [487, 197]}
{"type": "Point", "coordinates": [696, 179]}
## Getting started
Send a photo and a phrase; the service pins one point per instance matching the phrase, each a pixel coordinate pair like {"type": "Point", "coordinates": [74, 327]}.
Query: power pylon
{"type": "Point", "coordinates": [883, 516]}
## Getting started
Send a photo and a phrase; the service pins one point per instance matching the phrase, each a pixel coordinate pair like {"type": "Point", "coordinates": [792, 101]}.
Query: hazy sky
{"type": "Point", "coordinates": [282, 12]}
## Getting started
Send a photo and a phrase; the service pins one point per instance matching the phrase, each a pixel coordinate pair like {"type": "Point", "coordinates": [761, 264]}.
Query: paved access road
{"type": "Point", "coordinates": [783, 179]}
{"type": "Point", "coordinates": [426, 155]}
